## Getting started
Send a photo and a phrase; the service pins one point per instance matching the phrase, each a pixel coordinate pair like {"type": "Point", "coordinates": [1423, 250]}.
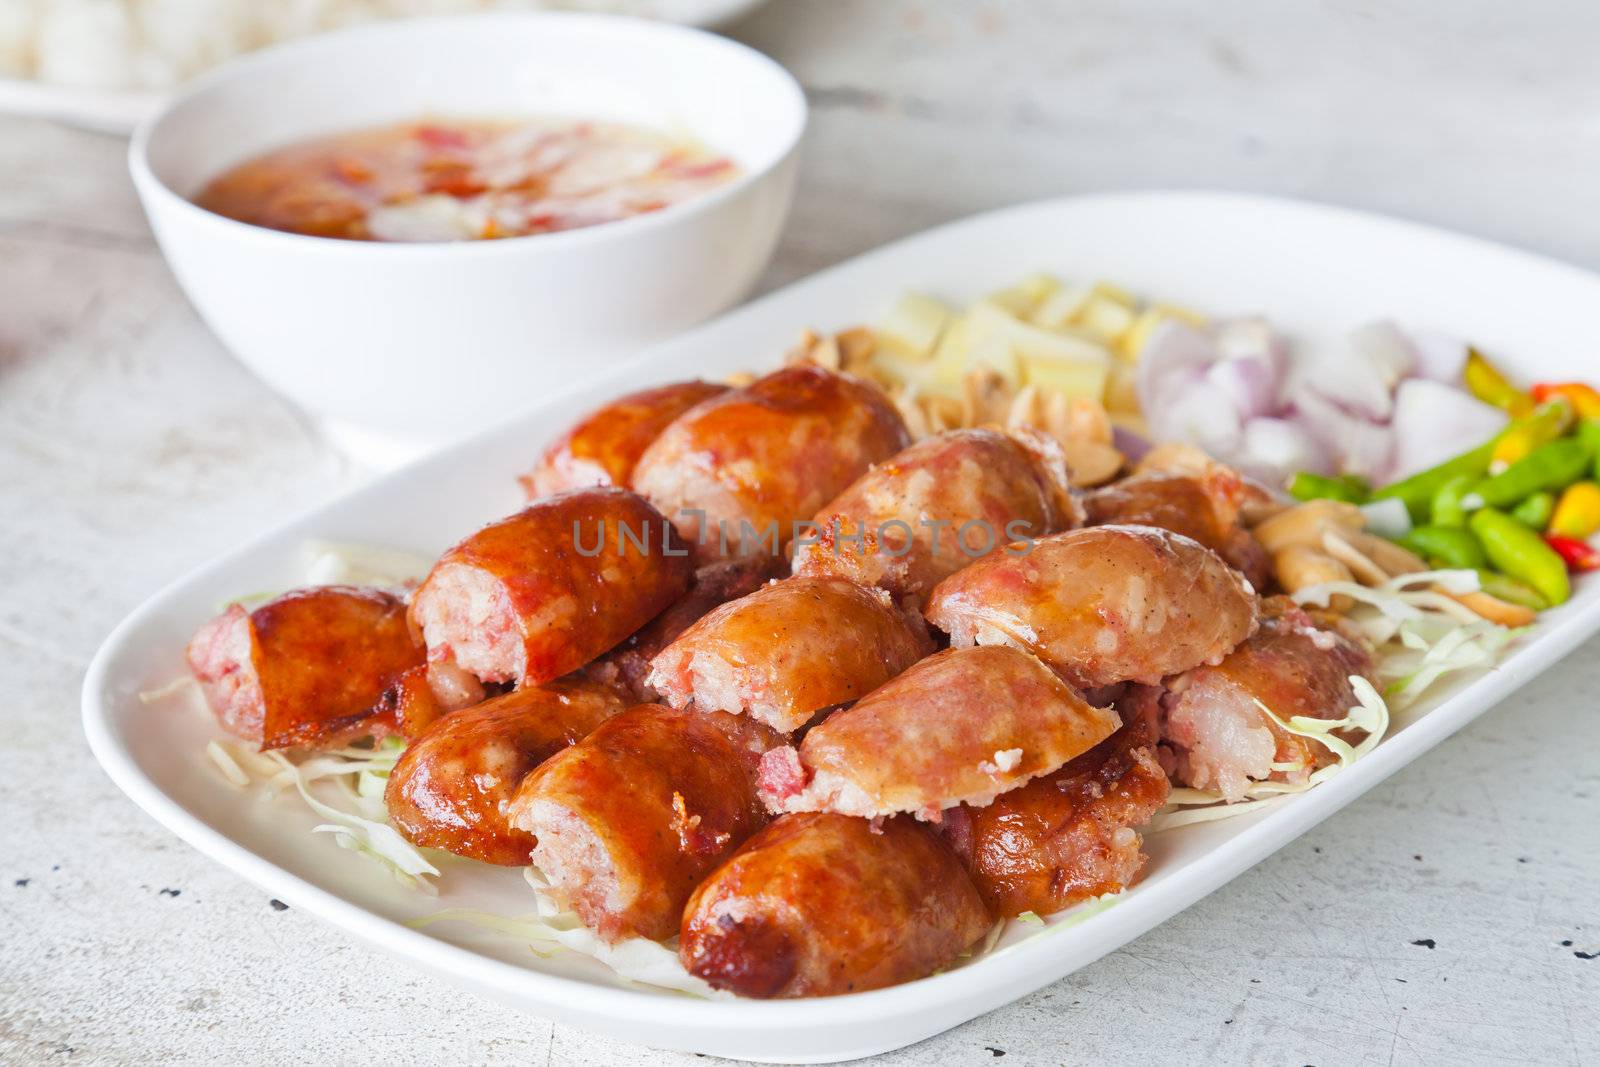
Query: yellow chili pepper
{"type": "Point", "coordinates": [1510, 448]}
{"type": "Point", "coordinates": [1585, 399]}
{"type": "Point", "coordinates": [1486, 383]}
{"type": "Point", "coordinates": [1552, 419]}
{"type": "Point", "coordinates": [1577, 513]}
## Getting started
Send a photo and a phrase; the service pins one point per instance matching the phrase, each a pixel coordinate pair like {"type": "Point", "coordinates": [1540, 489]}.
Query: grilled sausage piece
{"type": "Point", "coordinates": [1103, 604]}
{"type": "Point", "coordinates": [451, 786]}
{"type": "Point", "coordinates": [625, 667]}
{"type": "Point", "coordinates": [533, 596]}
{"type": "Point", "coordinates": [738, 471]}
{"type": "Point", "coordinates": [1070, 835]}
{"type": "Point", "coordinates": [789, 650]}
{"type": "Point", "coordinates": [1297, 664]}
{"type": "Point", "coordinates": [819, 904]}
{"type": "Point", "coordinates": [960, 727]}
{"type": "Point", "coordinates": [423, 694]}
{"type": "Point", "coordinates": [308, 668]}
{"type": "Point", "coordinates": [1204, 507]}
{"type": "Point", "coordinates": [632, 817]}
{"type": "Point", "coordinates": [605, 445]}
{"type": "Point", "coordinates": [930, 510]}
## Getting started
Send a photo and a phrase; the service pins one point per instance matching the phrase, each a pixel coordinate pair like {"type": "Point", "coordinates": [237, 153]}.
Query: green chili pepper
{"type": "Point", "coordinates": [1451, 546]}
{"type": "Point", "coordinates": [1553, 465]}
{"type": "Point", "coordinates": [1351, 488]}
{"type": "Point", "coordinates": [1589, 433]}
{"type": "Point", "coordinates": [1548, 421]}
{"type": "Point", "coordinates": [1520, 552]}
{"type": "Point", "coordinates": [1418, 491]}
{"type": "Point", "coordinates": [1447, 509]}
{"type": "Point", "coordinates": [1536, 509]}
{"type": "Point", "coordinates": [1511, 591]}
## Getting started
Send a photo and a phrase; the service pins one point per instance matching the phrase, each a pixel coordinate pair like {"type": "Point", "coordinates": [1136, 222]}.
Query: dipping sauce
{"type": "Point", "coordinates": [465, 180]}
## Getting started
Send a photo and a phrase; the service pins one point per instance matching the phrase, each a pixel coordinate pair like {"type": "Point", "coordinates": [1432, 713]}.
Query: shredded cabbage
{"type": "Point", "coordinates": [171, 689]}
{"type": "Point", "coordinates": [360, 823]}
{"type": "Point", "coordinates": [369, 834]}
{"type": "Point", "coordinates": [1061, 920]}
{"type": "Point", "coordinates": [356, 775]}
{"type": "Point", "coordinates": [231, 771]}
{"type": "Point", "coordinates": [553, 928]}
{"type": "Point", "coordinates": [344, 563]}
{"type": "Point", "coordinates": [1370, 715]}
{"type": "Point", "coordinates": [1421, 634]}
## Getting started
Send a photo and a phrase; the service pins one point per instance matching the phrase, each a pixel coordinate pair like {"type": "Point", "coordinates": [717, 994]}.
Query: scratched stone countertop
{"type": "Point", "coordinates": [1450, 916]}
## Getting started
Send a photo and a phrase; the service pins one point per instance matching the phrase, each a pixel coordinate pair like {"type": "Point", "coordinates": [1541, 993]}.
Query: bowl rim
{"type": "Point", "coordinates": [156, 194]}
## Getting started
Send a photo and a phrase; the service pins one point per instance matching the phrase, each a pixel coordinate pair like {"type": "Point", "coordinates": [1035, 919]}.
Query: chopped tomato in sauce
{"type": "Point", "coordinates": [465, 180]}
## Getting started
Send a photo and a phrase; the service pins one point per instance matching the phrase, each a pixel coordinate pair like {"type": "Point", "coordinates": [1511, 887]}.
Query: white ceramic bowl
{"type": "Point", "coordinates": [419, 343]}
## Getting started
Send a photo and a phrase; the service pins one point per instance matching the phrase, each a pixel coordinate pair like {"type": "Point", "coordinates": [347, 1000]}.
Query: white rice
{"type": "Point", "coordinates": [154, 44]}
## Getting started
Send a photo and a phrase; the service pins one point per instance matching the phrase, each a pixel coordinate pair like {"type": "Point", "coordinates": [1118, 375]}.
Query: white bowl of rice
{"type": "Point", "coordinates": [400, 346]}
{"type": "Point", "coordinates": [106, 64]}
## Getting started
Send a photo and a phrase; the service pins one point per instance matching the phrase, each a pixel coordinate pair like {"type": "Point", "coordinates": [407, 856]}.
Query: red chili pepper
{"type": "Point", "coordinates": [457, 180]}
{"type": "Point", "coordinates": [441, 137]}
{"type": "Point", "coordinates": [352, 170]}
{"type": "Point", "coordinates": [1584, 398]}
{"type": "Point", "coordinates": [1579, 555]}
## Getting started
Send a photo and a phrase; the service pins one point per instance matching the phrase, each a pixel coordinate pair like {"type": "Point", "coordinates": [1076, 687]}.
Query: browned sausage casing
{"type": "Point", "coordinates": [1297, 664]}
{"type": "Point", "coordinates": [1068, 836]}
{"type": "Point", "coordinates": [820, 904]}
{"type": "Point", "coordinates": [1103, 604]}
{"type": "Point", "coordinates": [308, 668]}
{"type": "Point", "coordinates": [1204, 507]}
{"type": "Point", "coordinates": [625, 667]}
{"type": "Point", "coordinates": [423, 694]}
{"type": "Point", "coordinates": [789, 650]}
{"type": "Point", "coordinates": [605, 445]}
{"type": "Point", "coordinates": [633, 816]}
{"type": "Point", "coordinates": [451, 786]}
{"type": "Point", "coordinates": [768, 455]}
{"type": "Point", "coordinates": [928, 511]}
{"type": "Point", "coordinates": [962, 726]}
{"type": "Point", "coordinates": [545, 591]}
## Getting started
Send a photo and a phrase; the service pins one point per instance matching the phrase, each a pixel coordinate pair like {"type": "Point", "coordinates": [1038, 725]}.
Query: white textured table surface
{"type": "Point", "coordinates": [1446, 917]}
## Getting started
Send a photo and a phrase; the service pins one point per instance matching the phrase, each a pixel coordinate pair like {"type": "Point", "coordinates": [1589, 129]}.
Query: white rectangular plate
{"type": "Point", "coordinates": [1314, 271]}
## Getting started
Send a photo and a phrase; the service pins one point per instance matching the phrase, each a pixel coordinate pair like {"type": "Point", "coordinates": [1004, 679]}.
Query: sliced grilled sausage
{"type": "Point", "coordinates": [1202, 506]}
{"type": "Point", "coordinates": [820, 904]}
{"type": "Point", "coordinates": [960, 727]}
{"type": "Point", "coordinates": [451, 786]}
{"type": "Point", "coordinates": [738, 471]}
{"type": "Point", "coordinates": [626, 667]}
{"type": "Point", "coordinates": [543, 592]}
{"type": "Point", "coordinates": [308, 668]}
{"type": "Point", "coordinates": [930, 510]}
{"type": "Point", "coordinates": [605, 445]}
{"type": "Point", "coordinates": [1070, 835]}
{"type": "Point", "coordinates": [789, 650]}
{"type": "Point", "coordinates": [1103, 604]}
{"type": "Point", "coordinates": [1297, 665]}
{"type": "Point", "coordinates": [630, 819]}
